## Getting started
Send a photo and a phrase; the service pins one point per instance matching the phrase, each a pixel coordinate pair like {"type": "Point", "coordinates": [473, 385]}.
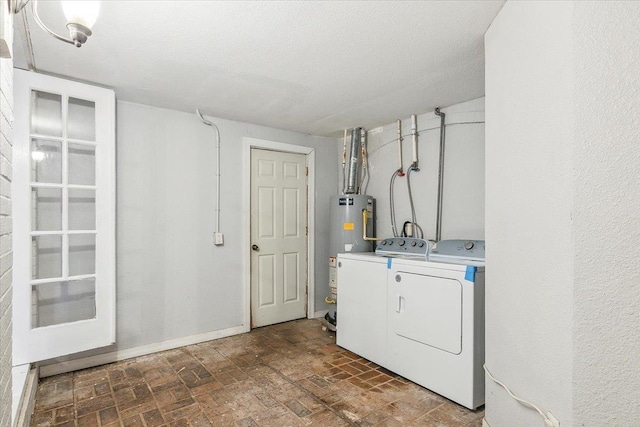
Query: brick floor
{"type": "Point", "coordinates": [291, 374]}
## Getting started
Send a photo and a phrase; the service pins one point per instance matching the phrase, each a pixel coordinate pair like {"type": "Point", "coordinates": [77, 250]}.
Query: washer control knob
{"type": "Point", "coordinates": [421, 244]}
{"type": "Point", "coordinates": [469, 245]}
{"type": "Point", "coordinates": [401, 243]}
{"type": "Point", "coordinates": [414, 243]}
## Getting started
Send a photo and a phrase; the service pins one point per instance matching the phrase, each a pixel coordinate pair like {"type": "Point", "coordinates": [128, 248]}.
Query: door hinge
{"type": "Point", "coordinates": [307, 171]}
{"type": "Point", "coordinates": [306, 230]}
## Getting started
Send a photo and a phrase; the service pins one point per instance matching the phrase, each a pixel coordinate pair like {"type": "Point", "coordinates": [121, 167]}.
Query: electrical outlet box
{"type": "Point", "coordinates": [553, 419]}
{"type": "Point", "coordinates": [218, 239]}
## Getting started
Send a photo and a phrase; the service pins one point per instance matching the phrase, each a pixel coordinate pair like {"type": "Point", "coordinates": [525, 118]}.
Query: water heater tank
{"type": "Point", "coordinates": [346, 223]}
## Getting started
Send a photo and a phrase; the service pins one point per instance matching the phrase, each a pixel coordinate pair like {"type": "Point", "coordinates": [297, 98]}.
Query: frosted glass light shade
{"type": "Point", "coordinates": [84, 13]}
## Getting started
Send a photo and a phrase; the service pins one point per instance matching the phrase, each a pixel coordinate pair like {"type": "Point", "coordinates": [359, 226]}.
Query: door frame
{"type": "Point", "coordinates": [310, 154]}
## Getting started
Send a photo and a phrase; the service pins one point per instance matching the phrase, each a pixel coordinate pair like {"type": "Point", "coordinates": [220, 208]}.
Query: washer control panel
{"type": "Point", "coordinates": [409, 247]}
{"type": "Point", "coordinates": [471, 250]}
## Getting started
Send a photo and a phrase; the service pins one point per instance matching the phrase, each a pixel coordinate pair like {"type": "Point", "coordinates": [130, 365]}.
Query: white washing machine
{"type": "Point", "coordinates": [420, 317]}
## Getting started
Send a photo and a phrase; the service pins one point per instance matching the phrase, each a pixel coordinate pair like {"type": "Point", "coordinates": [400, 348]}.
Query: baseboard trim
{"type": "Point", "coordinates": [18, 384]}
{"type": "Point", "coordinates": [28, 400]}
{"type": "Point", "coordinates": [116, 356]}
{"type": "Point", "coordinates": [320, 313]}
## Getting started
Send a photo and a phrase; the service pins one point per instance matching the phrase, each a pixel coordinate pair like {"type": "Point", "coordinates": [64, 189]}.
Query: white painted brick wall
{"type": "Point", "coordinates": [6, 249]}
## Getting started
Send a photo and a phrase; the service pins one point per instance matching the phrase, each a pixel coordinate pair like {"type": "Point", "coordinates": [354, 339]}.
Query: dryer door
{"type": "Point", "coordinates": [427, 309]}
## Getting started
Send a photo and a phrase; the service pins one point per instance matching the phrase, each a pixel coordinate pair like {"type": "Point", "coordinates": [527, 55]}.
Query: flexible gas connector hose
{"type": "Point", "coordinates": [394, 228]}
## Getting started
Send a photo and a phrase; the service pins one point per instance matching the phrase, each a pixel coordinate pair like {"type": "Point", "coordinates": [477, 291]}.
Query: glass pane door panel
{"type": "Point", "coordinates": [47, 209]}
{"type": "Point", "coordinates": [66, 235]}
{"type": "Point", "coordinates": [82, 254]}
{"type": "Point", "coordinates": [63, 302]}
{"type": "Point", "coordinates": [82, 209]}
{"type": "Point", "coordinates": [81, 123]}
{"type": "Point", "coordinates": [46, 161]}
{"type": "Point", "coordinates": [82, 164]}
{"type": "Point", "coordinates": [46, 113]}
{"type": "Point", "coordinates": [46, 262]}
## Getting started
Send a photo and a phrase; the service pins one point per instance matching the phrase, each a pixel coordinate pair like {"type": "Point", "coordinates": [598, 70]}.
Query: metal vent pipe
{"type": "Point", "coordinates": [352, 177]}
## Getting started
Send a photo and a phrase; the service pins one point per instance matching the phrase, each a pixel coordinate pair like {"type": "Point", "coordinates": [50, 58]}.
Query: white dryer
{"type": "Point", "coordinates": [435, 333]}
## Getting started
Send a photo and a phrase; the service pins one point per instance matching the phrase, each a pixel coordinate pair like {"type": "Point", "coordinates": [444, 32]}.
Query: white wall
{"type": "Point", "coordinates": [563, 212]}
{"type": "Point", "coordinates": [529, 275]}
{"type": "Point", "coordinates": [606, 336]}
{"type": "Point", "coordinates": [6, 248]}
{"type": "Point", "coordinates": [463, 199]}
{"type": "Point", "coordinates": [172, 281]}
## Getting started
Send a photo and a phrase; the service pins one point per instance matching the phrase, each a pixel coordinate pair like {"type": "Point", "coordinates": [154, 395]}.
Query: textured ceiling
{"type": "Point", "coordinates": [309, 66]}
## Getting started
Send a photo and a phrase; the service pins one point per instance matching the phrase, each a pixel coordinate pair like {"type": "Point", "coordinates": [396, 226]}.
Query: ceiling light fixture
{"type": "Point", "coordinates": [81, 15]}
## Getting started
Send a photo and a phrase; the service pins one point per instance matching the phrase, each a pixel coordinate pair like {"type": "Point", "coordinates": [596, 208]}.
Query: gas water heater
{"type": "Point", "coordinates": [352, 214]}
{"type": "Point", "coordinates": [346, 220]}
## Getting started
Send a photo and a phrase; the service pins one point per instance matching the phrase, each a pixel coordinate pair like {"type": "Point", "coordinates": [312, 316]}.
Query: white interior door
{"type": "Point", "coordinates": [278, 237]}
{"type": "Point", "coordinates": [63, 194]}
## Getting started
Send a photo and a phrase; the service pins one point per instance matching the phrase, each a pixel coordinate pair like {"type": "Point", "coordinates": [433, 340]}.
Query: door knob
{"type": "Point", "coordinates": [255, 248]}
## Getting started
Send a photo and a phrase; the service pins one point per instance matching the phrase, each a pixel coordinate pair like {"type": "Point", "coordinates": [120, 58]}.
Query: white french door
{"type": "Point", "coordinates": [63, 195]}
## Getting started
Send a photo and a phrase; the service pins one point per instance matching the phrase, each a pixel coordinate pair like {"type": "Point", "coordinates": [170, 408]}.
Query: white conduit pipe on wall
{"type": "Point", "coordinates": [218, 235]}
